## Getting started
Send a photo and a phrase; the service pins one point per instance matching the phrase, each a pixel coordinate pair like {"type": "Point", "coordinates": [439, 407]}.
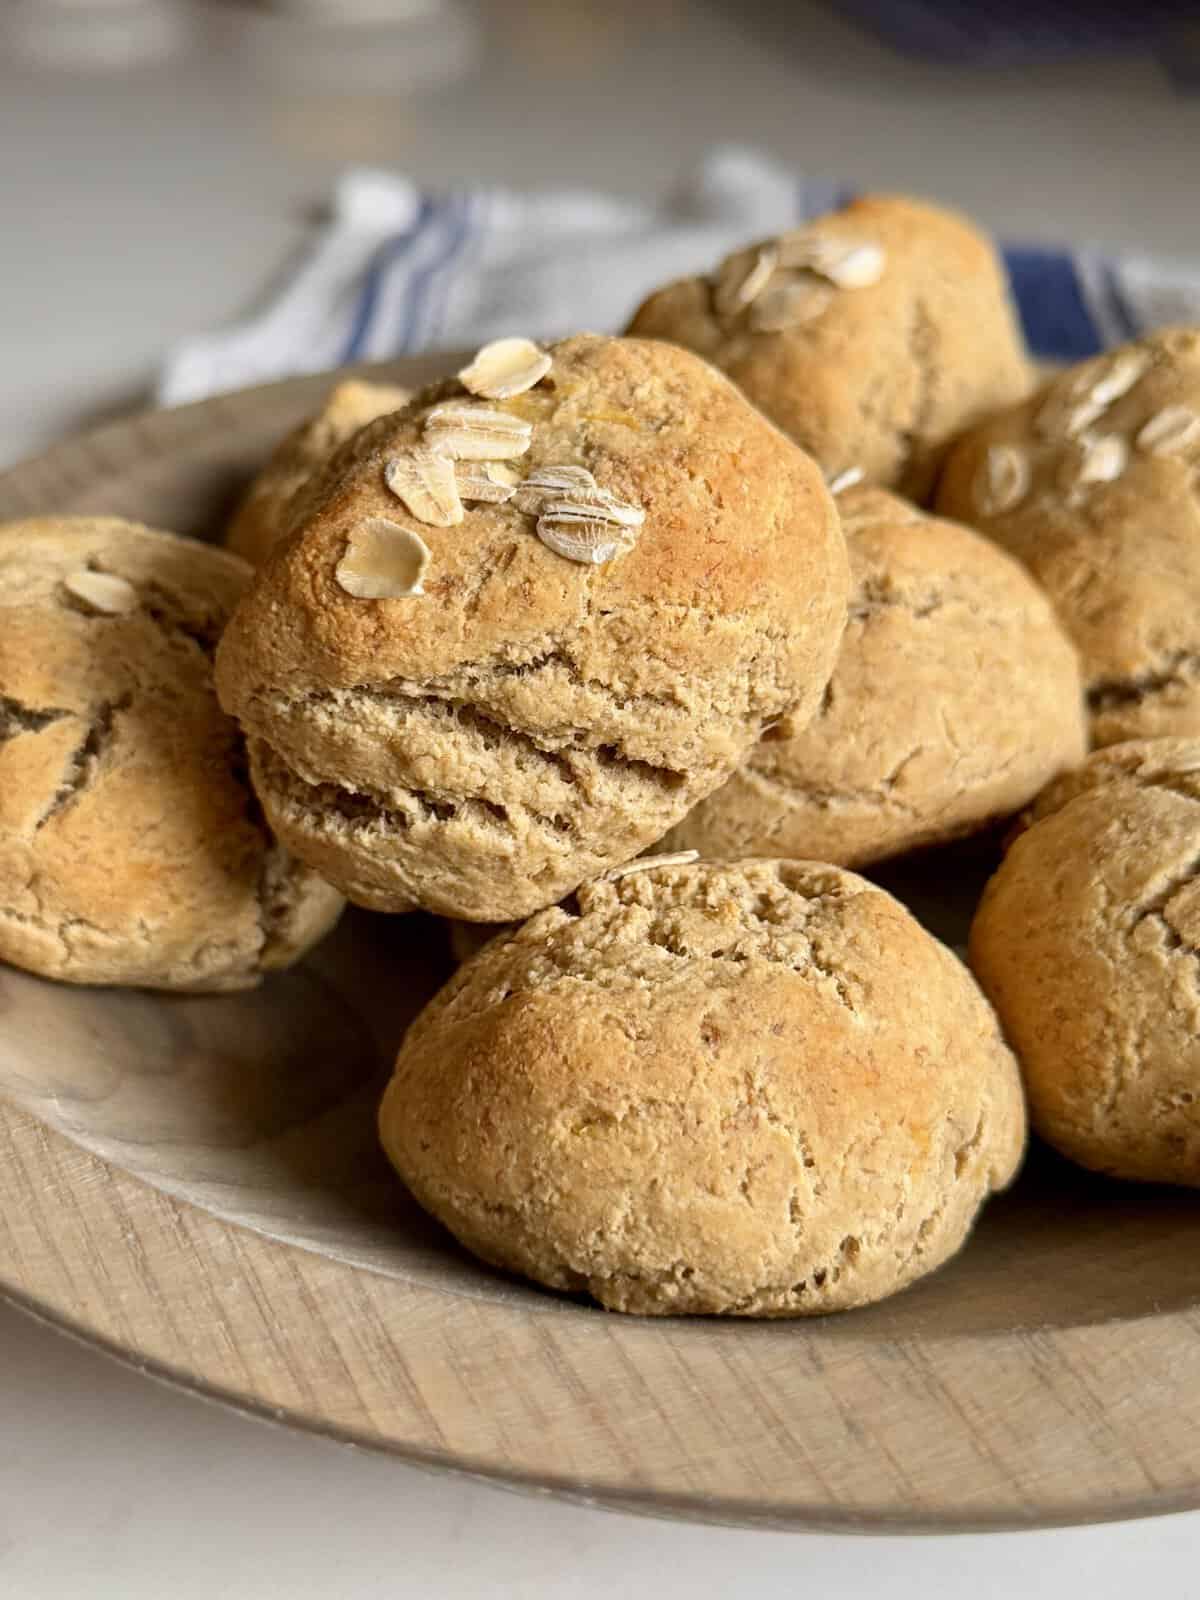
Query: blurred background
{"type": "Point", "coordinates": [163, 160]}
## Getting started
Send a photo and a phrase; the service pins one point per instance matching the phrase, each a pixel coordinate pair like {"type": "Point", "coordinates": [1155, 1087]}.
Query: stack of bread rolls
{"type": "Point", "coordinates": [626, 656]}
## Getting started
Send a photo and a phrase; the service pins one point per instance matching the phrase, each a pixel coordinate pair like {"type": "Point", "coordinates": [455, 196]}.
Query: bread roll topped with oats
{"type": "Point", "coordinates": [755, 1088]}
{"type": "Point", "coordinates": [264, 514]}
{"type": "Point", "coordinates": [528, 622]}
{"type": "Point", "coordinates": [1093, 484]}
{"type": "Point", "coordinates": [872, 335]}
{"type": "Point", "coordinates": [131, 847]}
{"type": "Point", "coordinates": [955, 699]}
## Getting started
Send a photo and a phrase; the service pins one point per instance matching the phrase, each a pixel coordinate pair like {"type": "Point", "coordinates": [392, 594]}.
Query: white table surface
{"type": "Point", "coordinates": [142, 205]}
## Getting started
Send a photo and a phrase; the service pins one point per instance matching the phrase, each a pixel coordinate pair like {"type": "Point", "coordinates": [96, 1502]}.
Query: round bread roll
{"type": "Point", "coordinates": [755, 1088]}
{"type": "Point", "coordinates": [1092, 484]}
{"type": "Point", "coordinates": [131, 847]}
{"type": "Point", "coordinates": [872, 335]}
{"type": "Point", "coordinates": [264, 515]}
{"type": "Point", "coordinates": [1087, 941]}
{"type": "Point", "coordinates": [955, 699]}
{"type": "Point", "coordinates": [473, 718]}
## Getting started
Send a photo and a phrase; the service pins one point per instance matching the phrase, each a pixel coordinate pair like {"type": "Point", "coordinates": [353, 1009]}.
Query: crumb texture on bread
{"type": "Point", "coordinates": [955, 700]}
{"type": "Point", "coordinates": [132, 850]}
{"type": "Point", "coordinates": [1087, 941]}
{"type": "Point", "coordinates": [269, 507]}
{"type": "Point", "coordinates": [755, 1088]}
{"type": "Point", "coordinates": [526, 721]}
{"type": "Point", "coordinates": [878, 371]}
{"type": "Point", "coordinates": [1092, 484]}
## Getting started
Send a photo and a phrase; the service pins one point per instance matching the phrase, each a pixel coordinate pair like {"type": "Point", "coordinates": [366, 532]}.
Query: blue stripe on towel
{"type": "Point", "coordinates": [1053, 311]}
{"type": "Point", "coordinates": [454, 262]}
{"type": "Point", "coordinates": [391, 251]}
{"type": "Point", "coordinates": [1118, 305]}
{"type": "Point", "coordinates": [418, 317]}
{"type": "Point", "coordinates": [816, 196]}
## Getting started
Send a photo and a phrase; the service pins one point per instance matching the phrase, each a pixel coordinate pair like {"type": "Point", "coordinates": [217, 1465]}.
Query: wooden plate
{"type": "Point", "coordinates": [194, 1185]}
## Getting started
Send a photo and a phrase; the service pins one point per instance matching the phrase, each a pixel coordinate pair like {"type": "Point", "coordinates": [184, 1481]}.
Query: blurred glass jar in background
{"type": "Point", "coordinates": [363, 48]}
{"type": "Point", "coordinates": [94, 35]}
{"type": "Point", "coordinates": [307, 43]}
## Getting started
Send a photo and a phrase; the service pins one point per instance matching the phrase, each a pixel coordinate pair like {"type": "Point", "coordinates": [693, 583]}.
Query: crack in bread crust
{"type": "Point", "coordinates": [1180, 670]}
{"type": "Point", "coordinates": [135, 851]}
{"type": "Point", "coordinates": [1118, 557]}
{"type": "Point", "coordinates": [775, 927]}
{"type": "Point", "coordinates": [795, 795]}
{"type": "Point", "coordinates": [985, 695]}
{"type": "Point", "coordinates": [544, 701]}
{"type": "Point", "coordinates": [753, 1088]}
{"type": "Point", "coordinates": [592, 774]}
{"type": "Point", "coordinates": [1088, 942]}
{"type": "Point", "coordinates": [88, 755]}
{"type": "Point", "coordinates": [1171, 766]}
{"type": "Point", "coordinates": [17, 718]}
{"type": "Point", "coordinates": [922, 351]}
{"type": "Point", "coordinates": [367, 811]}
{"type": "Point", "coordinates": [561, 753]}
{"type": "Point", "coordinates": [936, 338]}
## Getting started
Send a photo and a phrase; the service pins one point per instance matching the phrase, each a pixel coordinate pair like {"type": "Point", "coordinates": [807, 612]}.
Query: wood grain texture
{"type": "Point", "coordinates": [194, 1184]}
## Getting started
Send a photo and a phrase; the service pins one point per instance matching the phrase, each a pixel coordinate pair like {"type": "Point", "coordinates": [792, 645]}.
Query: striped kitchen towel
{"type": "Point", "coordinates": [397, 270]}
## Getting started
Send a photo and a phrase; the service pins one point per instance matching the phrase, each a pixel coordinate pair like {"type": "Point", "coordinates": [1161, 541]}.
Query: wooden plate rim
{"type": "Point", "coordinates": [1049, 1428]}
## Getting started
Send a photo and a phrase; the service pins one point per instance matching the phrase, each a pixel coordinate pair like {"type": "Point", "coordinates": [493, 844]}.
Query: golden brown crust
{"type": "Point", "coordinates": [886, 374]}
{"type": "Point", "coordinates": [1086, 941]}
{"type": "Point", "coordinates": [955, 699]}
{"type": "Point", "coordinates": [131, 851]}
{"type": "Point", "coordinates": [266, 511]}
{"type": "Point", "coordinates": [481, 749]}
{"type": "Point", "coordinates": [1120, 559]}
{"type": "Point", "coordinates": [758, 1089]}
